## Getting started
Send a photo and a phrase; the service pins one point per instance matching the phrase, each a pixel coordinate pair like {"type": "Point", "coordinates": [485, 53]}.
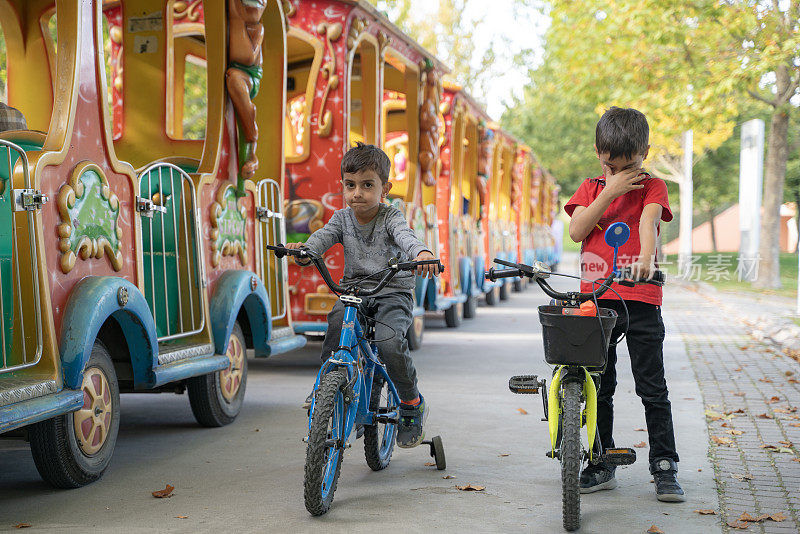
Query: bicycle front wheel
{"type": "Point", "coordinates": [325, 443]}
{"type": "Point", "coordinates": [570, 453]}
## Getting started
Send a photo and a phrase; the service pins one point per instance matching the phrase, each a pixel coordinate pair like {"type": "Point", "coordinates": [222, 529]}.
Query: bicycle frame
{"type": "Point", "coordinates": [360, 374]}
{"type": "Point", "coordinates": [589, 419]}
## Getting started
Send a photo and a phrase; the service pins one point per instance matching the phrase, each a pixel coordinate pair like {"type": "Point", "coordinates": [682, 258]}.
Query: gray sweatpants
{"type": "Point", "coordinates": [394, 309]}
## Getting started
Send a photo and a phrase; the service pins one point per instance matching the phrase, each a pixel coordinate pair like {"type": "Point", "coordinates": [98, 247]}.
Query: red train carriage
{"type": "Point", "coordinates": [353, 76]}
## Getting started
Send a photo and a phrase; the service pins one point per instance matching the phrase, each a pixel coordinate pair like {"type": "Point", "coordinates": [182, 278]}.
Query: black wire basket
{"type": "Point", "coordinates": [576, 339]}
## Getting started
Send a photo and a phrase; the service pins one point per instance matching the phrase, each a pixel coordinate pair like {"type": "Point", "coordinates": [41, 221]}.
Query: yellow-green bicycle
{"type": "Point", "coordinates": [577, 346]}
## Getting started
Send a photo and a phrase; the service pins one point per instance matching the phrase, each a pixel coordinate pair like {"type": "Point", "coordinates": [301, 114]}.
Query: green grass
{"type": "Point", "coordinates": [719, 270]}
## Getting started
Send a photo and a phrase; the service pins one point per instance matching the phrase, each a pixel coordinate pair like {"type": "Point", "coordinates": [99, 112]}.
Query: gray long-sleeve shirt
{"type": "Point", "coordinates": [368, 247]}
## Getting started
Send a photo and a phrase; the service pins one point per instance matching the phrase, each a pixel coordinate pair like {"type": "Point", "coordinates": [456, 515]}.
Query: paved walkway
{"type": "Point", "coordinates": [751, 394]}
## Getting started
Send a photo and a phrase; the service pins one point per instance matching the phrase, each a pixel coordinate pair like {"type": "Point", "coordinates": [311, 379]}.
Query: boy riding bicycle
{"type": "Point", "coordinates": [371, 232]}
{"type": "Point", "coordinates": [624, 192]}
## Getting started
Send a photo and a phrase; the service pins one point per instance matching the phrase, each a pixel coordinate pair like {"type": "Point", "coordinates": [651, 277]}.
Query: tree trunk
{"type": "Point", "coordinates": [797, 219]}
{"type": "Point", "coordinates": [775, 175]}
{"type": "Point", "coordinates": [713, 230]}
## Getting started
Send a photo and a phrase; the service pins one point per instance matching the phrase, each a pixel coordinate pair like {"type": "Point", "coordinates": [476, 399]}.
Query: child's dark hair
{"type": "Point", "coordinates": [622, 132]}
{"type": "Point", "coordinates": [363, 156]}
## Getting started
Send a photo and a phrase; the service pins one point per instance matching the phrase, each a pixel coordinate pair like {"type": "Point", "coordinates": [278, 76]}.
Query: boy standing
{"type": "Point", "coordinates": [371, 232]}
{"type": "Point", "coordinates": [624, 192]}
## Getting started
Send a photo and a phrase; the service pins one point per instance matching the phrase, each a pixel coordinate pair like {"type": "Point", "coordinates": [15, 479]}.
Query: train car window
{"type": "Point", "coordinates": [187, 82]}
{"type": "Point", "coordinates": [400, 124]}
{"type": "Point", "coordinates": [363, 93]}
{"type": "Point", "coordinates": [303, 57]}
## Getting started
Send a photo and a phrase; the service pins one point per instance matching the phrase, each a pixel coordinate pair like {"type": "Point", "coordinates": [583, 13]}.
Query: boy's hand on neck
{"type": "Point", "coordinates": [621, 183]}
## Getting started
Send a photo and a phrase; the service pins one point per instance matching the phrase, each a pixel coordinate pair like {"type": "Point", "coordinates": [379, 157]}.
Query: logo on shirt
{"type": "Point", "coordinates": [593, 266]}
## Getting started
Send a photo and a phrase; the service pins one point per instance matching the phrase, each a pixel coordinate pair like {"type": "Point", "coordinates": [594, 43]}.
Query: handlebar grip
{"type": "Point", "coordinates": [493, 274]}
{"type": "Point", "coordinates": [411, 265]}
{"type": "Point", "coordinates": [659, 278]}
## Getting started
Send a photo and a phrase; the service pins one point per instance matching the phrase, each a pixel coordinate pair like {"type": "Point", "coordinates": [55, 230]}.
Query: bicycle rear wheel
{"type": "Point", "coordinates": [570, 454]}
{"type": "Point", "coordinates": [379, 438]}
{"type": "Point", "coordinates": [325, 443]}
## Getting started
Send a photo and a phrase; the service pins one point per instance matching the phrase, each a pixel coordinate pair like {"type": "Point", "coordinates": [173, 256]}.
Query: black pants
{"type": "Point", "coordinates": [645, 340]}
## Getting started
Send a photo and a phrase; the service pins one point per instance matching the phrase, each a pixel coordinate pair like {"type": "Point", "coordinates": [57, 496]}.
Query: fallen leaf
{"type": "Point", "coordinates": [796, 460]}
{"type": "Point", "coordinates": [714, 416]}
{"type": "Point", "coordinates": [765, 416]}
{"type": "Point", "coordinates": [470, 487]}
{"type": "Point", "coordinates": [747, 517]}
{"type": "Point", "coordinates": [741, 478]}
{"type": "Point", "coordinates": [738, 369]}
{"type": "Point", "coordinates": [726, 425]}
{"type": "Point", "coordinates": [787, 443]}
{"type": "Point", "coordinates": [762, 517]}
{"type": "Point", "coordinates": [719, 441]}
{"type": "Point", "coordinates": [796, 425]}
{"type": "Point", "coordinates": [729, 412]}
{"type": "Point", "coordinates": [706, 511]}
{"type": "Point", "coordinates": [257, 430]}
{"type": "Point", "coordinates": [640, 445]}
{"type": "Point", "coordinates": [782, 410]}
{"type": "Point", "coordinates": [741, 525]}
{"type": "Point", "coordinates": [430, 464]}
{"type": "Point", "coordinates": [699, 470]}
{"type": "Point", "coordinates": [739, 394]}
{"type": "Point", "coordinates": [448, 477]}
{"type": "Point", "coordinates": [789, 373]}
{"type": "Point", "coordinates": [640, 429]}
{"type": "Point", "coordinates": [734, 432]}
{"type": "Point", "coordinates": [778, 517]}
{"type": "Point", "coordinates": [654, 530]}
{"type": "Point", "coordinates": [765, 380]}
{"type": "Point", "coordinates": [773, 400]}
{"type": "Point", "coordinates": [793, 381]}
{"type": "Point", "coordinates": [165, 493]}
{"type": "Point", "coordinates": [522, 411]}
{"type": "Point", "coordinates": [744, 347]}
{"type": "Point", "coordinates": [688, 398]}
{"type": "Point", "coordinates": [23, 525]}
{"type": "Point", "coordinates": [503, 455]}
{"type": "Point", "coordinates": [181, 517]}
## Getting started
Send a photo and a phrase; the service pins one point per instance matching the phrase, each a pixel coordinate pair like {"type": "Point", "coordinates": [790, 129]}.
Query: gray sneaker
{"type": "Point", "coordinates": [409, 429]}
{"type": "Point", "coordinates": [664, 473]}
{"type": "Point", "coordinates": [598, 477]}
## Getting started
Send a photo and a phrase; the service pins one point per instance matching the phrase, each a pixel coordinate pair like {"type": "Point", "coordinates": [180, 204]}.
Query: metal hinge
{"type": "Point", "coordinates": [146, 207]}
{"type": "Point", "coordinates": [28, 199]}
{"type": "Point", "coordinates": [264, 214]}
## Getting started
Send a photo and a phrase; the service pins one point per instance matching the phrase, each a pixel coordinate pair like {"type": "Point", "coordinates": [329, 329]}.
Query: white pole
{"type": "Point", "coordinates": [686, 191]}
{"type": "Point", "coordinates": [751, 173]}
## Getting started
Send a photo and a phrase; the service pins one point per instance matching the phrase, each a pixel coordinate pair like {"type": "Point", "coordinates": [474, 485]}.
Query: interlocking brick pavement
{"type": "Point", "coordinates": [751, 394]}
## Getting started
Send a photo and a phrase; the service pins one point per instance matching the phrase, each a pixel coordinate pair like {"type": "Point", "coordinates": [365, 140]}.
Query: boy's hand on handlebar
{"type": "Point", "coordinates": [429, 271]}
{"type": "Point", "coordinates": [297, 246]}
{"type": "Point", "coordinates": [642, 270]}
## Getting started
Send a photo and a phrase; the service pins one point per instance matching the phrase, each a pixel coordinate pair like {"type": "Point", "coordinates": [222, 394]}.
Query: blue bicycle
{"type": "Point", "coordinates": [352, 392]}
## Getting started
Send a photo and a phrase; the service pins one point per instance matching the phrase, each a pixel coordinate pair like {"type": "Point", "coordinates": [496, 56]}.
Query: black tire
{"type": "Point", "coordinates": [215, 401]}
{"type": "Point", "coordinates": [318, 499]}
{"type": "Point", "coordinates": [517, 286]}
{"type": "Point", "coordinates": [452, 315]}
{"type": "Point", "coordinates": [438, 453]}
{"type": "Point", "coordinates": [379, 438]}
{"type": "Point", "coordinates": [470, 307]}
{"type": "Point", "coordinates": [415, 332]}
{"type": "Point", "coordinates": [61, 458]}
{"type": "Point", "coordinates": [570, 453]}
{"type": "Point", "coordinates": [504, 291]}
{"type": "Point", "coordinates": [491, 297]}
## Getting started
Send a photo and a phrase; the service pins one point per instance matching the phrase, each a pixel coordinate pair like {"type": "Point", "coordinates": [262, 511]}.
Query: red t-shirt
{"type": "Point", "coordinates": [596, 256]}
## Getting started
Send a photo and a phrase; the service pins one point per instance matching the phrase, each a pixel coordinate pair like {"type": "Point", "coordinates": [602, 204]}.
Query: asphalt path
{"type": "Point", "coordinates": [247, 477]}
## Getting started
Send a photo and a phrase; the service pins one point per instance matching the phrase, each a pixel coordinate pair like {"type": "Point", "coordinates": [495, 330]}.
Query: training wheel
{"type": "Point", "coordinates": [437, 452]}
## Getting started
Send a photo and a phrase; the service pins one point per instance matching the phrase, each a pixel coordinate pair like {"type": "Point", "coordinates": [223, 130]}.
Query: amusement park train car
{"type": "Point", "coordinates": [353, 76]}
{"type": "Point", "coordinates": [133, 221]}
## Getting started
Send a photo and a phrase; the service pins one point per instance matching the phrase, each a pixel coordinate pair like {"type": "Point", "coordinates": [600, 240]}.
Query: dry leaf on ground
{"type": "Point", "coordinates": [794, 424]}
{"type": "Point", "coordinates": [738, 369]}
{"type": "Point", "coordinates": [714, 416]}
{"type": "Point", "coordinates": [181, 517]}
{"type": "Point", "coordinates": [734, 432]}
{"type": "Point", "coordinates": [448, 477]}
{"type": "Point", "coordinates": [470, 487]}
{"type": "Point", "coordinates": [725, 425]}
{"type": "Point", "coordinates": [721, 441]}
{"type": "Point", "coordinates": [765, 380]}
{"type": "Point", "coordinates": [737, 411]}
{"type": "Point", "coordinates": [741, 478]}
{"type": "Point", "coordinates": [523, 411]}
{"type": "Point", "coordinates": [706, 511]}
{"type": "Point", "coordinates": [654, 530]}
{"type": "Point", "coordinates": [164, 493]}
{"type": "Point", "coordinates": [784, 442]}
{"type": "Point", "coordinates": [778, 517]}
{"type": "Point", "coordinates": [640, 445]}
{"type": "Point", "coordinates": [23, 525]}
{"type": "Point", "coordinates": [773, 400]}
{"type": "Point", "coordinates": [788, 373]}
{"type": "Point", "coordinates": [430, 464]}
{"type": "Point", "coordinates": [747, 517]}
{"type": "Point", "coordinates": [640, 429]}
{"type": "Point", "coordinates": [741, 525]}
{"type": "Point", "coordinates": [503, 455]}
{"type": "Point", "coordinates": [739, 394]}
{"type": "Point", "coordinates": [765, 416]}
{"type": "Point", "coordinates": [793, 381]}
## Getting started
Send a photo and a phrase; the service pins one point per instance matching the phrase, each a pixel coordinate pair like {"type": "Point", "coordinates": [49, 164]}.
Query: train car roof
{"type": "Point", "coordinates": [372, 10]}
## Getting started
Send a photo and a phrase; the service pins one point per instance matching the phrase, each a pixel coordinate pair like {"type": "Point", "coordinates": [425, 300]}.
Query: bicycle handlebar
{"type": "Point", "coordinates": [393, 268]}
{"type": "Point", "coordinates": [539, 272]}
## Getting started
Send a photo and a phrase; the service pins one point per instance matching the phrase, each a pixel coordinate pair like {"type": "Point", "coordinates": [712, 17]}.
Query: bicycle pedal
{"type": "Point", "coordinates": [524, 384]}
{"type": "Point", "coordinates": [552, 454]}
{"type": "Point", "coordinates": [619, 456]}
